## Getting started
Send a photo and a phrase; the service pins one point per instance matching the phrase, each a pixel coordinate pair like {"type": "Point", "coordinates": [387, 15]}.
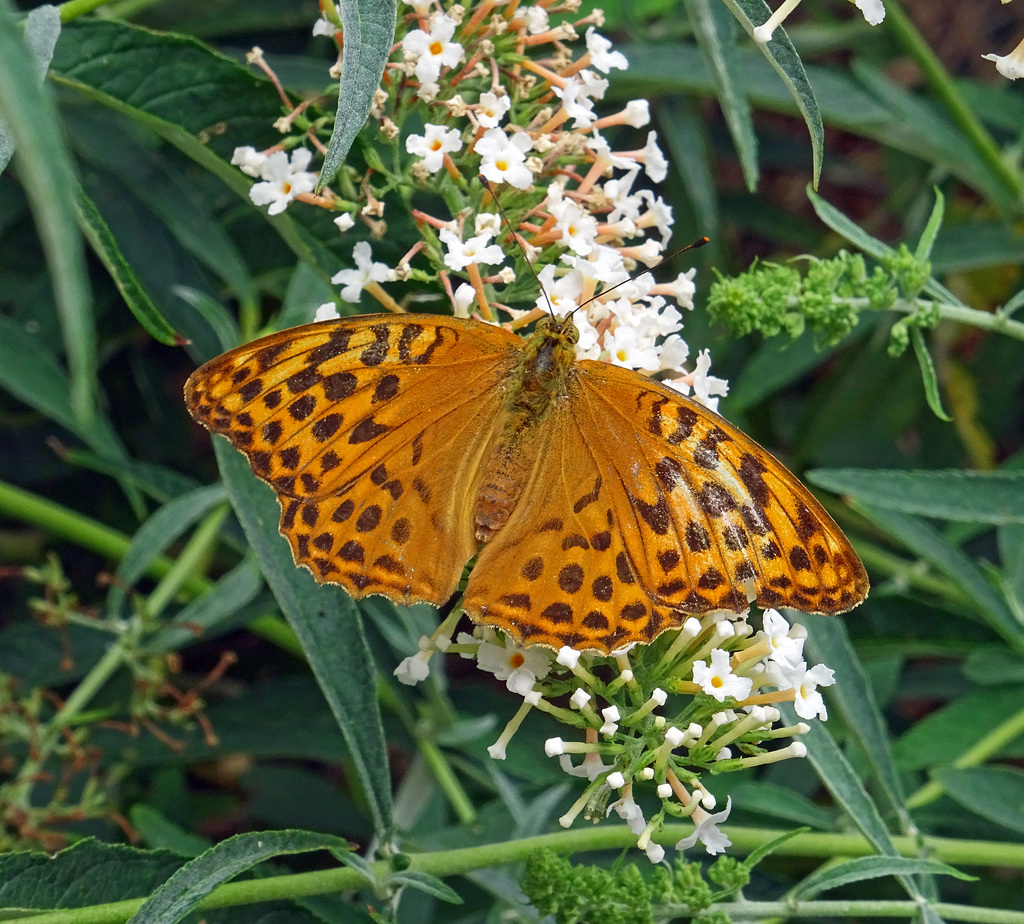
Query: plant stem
{"type": "Point", "coordinates": [455, 862]}
{"type": "Point", "coordinates": [96, 537]}
{"type": "Point", "coordinates": [945, 89]}
{"type": "Point", "coordinates": [90, 685]}
{"type": "Point", "coordinates": [990, 744]}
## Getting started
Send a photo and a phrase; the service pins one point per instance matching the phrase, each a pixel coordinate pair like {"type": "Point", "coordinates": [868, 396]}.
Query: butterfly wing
{"type": "Point", "coordinates": [645, 507]}
{"type": "Point", "coordinates": [371, 430]}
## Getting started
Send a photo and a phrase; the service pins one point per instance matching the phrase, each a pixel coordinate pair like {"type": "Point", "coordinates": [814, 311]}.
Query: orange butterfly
{"type": "Point", "coordinates": [605, 507]}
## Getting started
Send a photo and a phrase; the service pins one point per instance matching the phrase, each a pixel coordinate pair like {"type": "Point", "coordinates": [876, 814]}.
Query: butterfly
{"type": "Point", "coordinates": [602, 506]}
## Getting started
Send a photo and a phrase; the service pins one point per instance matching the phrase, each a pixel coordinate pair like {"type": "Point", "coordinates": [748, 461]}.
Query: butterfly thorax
{"type": "Point", "coordinates": [541, 379]}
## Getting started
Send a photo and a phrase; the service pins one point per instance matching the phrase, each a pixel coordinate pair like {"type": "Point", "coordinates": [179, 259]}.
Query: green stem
{"type": "Point", "coordinates": [83, 694]}
{"type": "Point", "coordinates": [197, 550]}
{"type": "Point", "coordinates": [759, 911]}
{"type": "Point", "coordinates": [900, 25]}
{"type": "Point", "coordinates": [96, 537]}
{"type": "Point", "coordinates": [989, 745]}
{"type": "Point", "coordinates": [606, 837]}
{"type": "Point", "coordinates": [984, 320]}
{"type": "Point", "coordinates": [910, 574]}
{"type": "Point", "coordinates": [83, 531]}
{"type": "Point", "coordinates": [75, 8]}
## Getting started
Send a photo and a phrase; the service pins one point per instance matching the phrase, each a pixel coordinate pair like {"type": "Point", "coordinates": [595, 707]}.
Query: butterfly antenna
{"type": "Point", "coordinates": [519, 243]}
{"type": "Point", "coordinates": [700, 242]}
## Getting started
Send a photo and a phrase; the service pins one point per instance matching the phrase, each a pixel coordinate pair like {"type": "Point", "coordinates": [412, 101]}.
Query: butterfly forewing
{"type": "Point", "coordinates": [371, 430]}
{"type": "Point", "coordinates": [645, 508]}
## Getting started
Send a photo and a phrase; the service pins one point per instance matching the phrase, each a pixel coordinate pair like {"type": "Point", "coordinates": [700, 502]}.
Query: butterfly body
{"type": "Point", "coordinates": [541, 378]}
{"type": "Point", "coordinates": [604, 507]}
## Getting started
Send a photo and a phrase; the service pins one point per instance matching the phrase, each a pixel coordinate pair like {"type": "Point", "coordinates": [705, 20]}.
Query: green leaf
{"type": "Point", "coordinates": [30, 372]}
{"type": "Point", "coordinates": [88, 873]}
{"type": "Point", "coordinates": [161, 484]}
{"type": "Point", "coordinates": [1011, 554]}
{"type": "Point", "coordinates": [842, 781]}
{"type": "Point", "coordinates": [714, 32]}
{"type": "Point", "coordinates": [42, 29]}
{"type": "Point", "coordinates": [931, 382]}
{"type": "Point", "coordinates": [781, 802]}
{"type": "Point", "coordinates": [157, 830]}
{"type": "Point", "coordinates": [931, 230]}
{"type": "Point", "coordinates": [132, 291]}
{"type": "Point", "coordinates": [189, 88]}
{"type": "Point", "coordinates": [187, 887]}
{"type": "Point", "coordinates": [934, 548]}
{"type": "Point", "coordinates": [947, 140]}
{"type": "Point", "coordinates": [429, 885]}
{"type": "Point", "coordinates": [156, 534]}
{"type": "Point", "coordinates": [828, 642]}
{"type": "Point", "coordinates": [862, 868]}
{"type": "Point", "coordinates": [954, 494]}
{"type": "Point", "coordinates": [201, 618]}
{"type": "Point", "coordinates": [993, 665]}
{"type": "Point", "coordinates": [692, 161]}
{"type": "Point", "coordinates": [994, 793]}
{"type": "Point", "coordinates": [279, 719]}
{"type": "Point", "coordinates": [783, 58]}
{"type": "Point", "coordinates": [44, 168]}
{"type": "Point", "coordinates": [329, 626]}
{"type": "Point", "coordinates": [369, 27]}
{"type": "Point", "coordinates": [942, 736]}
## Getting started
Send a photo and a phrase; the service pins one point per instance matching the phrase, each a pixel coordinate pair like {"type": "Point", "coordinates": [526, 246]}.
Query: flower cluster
{"type": "Point", "coordinates": [494, 105]}
{"type": "Point", "coordinates": [698, 700]}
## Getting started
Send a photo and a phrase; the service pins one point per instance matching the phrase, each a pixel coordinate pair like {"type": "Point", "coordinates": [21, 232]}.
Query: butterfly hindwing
{"type": "Point", "coordinates": [643, 508]}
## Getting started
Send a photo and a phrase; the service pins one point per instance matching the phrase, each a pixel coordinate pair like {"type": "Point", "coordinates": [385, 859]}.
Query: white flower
{"type": "Point", "coordinates": [519, 667]}
{"type": "Point", "coordinates": [629, 812]}
{"type": "Point", "coordinates": [704, 385]}
{"type": "Point", "coordinates": [328, 311]}
{"type": "Point", "coordinates": [486, 223]}
{"type": "Point", "coordinates": [433, 145]}
{"type": "Point", "coordinates": [249, 160]}
{"type": "Point", "coordinates": [323, 26]}
{"type": "Point", "coordinates": [873, 10]}
{"type": "Point", "coordinates": [717, 678]}
{"type": "Point", "coordinates": [808, 701]}
{"type": "Point", "coordinates": [653, 160]}
{"type": "Point", "coordinates": [578, 227]}
{"type": "Point", "coordinates": [433, 50]}
{"type": "Point", "coordinates": [623, 201]}
{"type": "Point", "coordinates": [638, 113]}
{"type": "Point", "coordinates": [590, 767]}
{"type": "Point", "coordinates": [491, 109]}
{"type": "Point", "coordinates": [601, 55]}
{"type": "Point", "coordinates": [1011, 66]}
{"type": "Point", "coordinates": [413, 669]}
{"type": "Point", "coordinates": [707, 832]}
{"type": "Point", "coordinates": [787, 652]}
{"type": "Point", "coordinates": [503, 159]}
{"type": "Point", "coordinates": [627, 348]}
{"type": "Point", "coordinates": [578, 100]}
{"type": "Point", "coordinates": [344, 222]}
{"type": "Point", "coordinates": [283, 180]}
{"type": "Point", "coordinates": [366, 271]}
{"type": "Point", "coordinates": [536, 19]}
{"type": "Point", "coordinates": [475, 250]}
{"type": "Point", "coordinates": [655, 852]}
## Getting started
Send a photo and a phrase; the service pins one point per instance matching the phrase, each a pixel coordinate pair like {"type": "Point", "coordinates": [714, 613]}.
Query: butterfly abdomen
{"type": "Point", "coordinates": [541, 379]}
